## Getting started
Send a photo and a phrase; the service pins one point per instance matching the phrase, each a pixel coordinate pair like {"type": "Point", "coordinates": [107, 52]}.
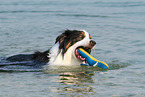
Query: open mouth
{"type": "Point", "coordinates": [88, 49]}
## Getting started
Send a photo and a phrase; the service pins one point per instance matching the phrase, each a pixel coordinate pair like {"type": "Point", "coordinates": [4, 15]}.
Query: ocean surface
{"type": "Point", "coordinates": [118, 27]}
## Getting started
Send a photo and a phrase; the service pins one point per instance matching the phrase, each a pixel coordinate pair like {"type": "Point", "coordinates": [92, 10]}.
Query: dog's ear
{"type": "Point", "coordinates": [68, 38]}
{"type": "Point", "coordinates": [70, 35]}
{"type": "Point", "coordinates": [60, 38]}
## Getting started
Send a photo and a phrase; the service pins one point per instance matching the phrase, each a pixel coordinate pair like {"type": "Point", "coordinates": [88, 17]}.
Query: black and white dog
{"type": "Point", "coordinates": [64, 51]}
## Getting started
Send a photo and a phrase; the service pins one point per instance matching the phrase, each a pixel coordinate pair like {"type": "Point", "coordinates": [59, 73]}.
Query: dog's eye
{"type": "Point", "coordinates": [90, 36]}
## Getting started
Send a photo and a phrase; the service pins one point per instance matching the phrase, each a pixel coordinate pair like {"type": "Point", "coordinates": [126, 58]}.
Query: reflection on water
{"type": "Point", "coordinates": [76, 83]}
{"type": "Point", "coordinates": [70, 80]}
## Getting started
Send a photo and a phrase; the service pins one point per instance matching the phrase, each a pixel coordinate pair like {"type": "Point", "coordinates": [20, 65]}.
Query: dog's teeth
{"type": "Point", "coordinates": [81, 58]}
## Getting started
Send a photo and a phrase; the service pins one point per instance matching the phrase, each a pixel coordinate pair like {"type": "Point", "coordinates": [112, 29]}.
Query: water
{"type": "Point", "coordinates": [116, 25]}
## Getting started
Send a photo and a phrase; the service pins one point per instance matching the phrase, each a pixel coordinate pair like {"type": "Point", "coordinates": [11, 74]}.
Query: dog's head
{"type": "Point", "coordinates": [64, 51]}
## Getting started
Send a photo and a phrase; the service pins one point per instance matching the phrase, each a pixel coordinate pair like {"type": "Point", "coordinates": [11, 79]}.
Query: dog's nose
{"type": "Point", "coordinates": [93, 43]}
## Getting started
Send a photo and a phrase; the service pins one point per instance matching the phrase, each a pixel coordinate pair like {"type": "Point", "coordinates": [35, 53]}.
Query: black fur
{"type": "Point", "coordinates": [37, 59]}
{"type": "Point", "coordinates": [68, 38]}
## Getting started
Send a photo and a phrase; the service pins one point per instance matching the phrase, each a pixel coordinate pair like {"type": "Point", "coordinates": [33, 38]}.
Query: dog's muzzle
{"type": "Point", "coordinates": [92, 43]}
{"type": "Point", "coordinates": [88, 48]}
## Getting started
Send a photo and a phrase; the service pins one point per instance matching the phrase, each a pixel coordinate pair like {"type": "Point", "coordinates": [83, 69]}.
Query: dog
{"type": "Point", "coordinates": [64, 51]}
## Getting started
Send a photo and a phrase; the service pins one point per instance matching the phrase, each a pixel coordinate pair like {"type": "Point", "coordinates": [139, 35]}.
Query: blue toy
{"type": "Point", "coordinates": [91, 60]}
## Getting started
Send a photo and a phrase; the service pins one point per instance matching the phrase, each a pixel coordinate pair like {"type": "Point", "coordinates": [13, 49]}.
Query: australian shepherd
{"type": "Point", "coordinates": [64, 51]}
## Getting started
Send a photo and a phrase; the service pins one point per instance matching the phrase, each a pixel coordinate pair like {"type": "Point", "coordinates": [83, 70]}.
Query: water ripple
{"type": "Point", "coordinates": [120, 4]}
{"type": "Point", "coordinates": [83, 15]}
{"type": "Point", "coordinates": [24, 11]}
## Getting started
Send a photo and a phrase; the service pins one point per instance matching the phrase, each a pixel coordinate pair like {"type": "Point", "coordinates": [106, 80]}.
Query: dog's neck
{"type": "Point", "coordinates": [57, 58]}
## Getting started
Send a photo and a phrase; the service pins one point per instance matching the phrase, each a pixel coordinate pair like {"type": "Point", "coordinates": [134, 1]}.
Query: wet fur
{"type": "Point", "coordinates": [61, 53]}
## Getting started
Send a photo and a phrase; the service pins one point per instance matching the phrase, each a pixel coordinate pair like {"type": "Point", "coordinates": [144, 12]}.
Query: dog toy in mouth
{"type": "Point", "coordinates": [91, 60]}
